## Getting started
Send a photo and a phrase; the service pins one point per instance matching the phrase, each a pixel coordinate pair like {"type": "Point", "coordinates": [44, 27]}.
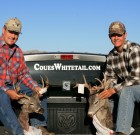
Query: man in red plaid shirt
{"type": "Point", "coordinates": [12, 70]}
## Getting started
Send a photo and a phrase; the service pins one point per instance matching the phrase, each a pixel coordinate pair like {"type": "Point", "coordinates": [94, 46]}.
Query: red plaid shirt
{"type": "Point", "coordinates": [13, 67]}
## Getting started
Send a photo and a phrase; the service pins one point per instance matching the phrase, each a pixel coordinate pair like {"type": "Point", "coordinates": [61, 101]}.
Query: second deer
{"type": "Point", "coordinates": [99, 109]}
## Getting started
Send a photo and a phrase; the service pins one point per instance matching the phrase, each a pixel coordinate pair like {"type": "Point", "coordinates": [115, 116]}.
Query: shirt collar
{"type": "Point", "coordinates": [1, 42]}
{"type": "Point", "coordinates": [126, 45]}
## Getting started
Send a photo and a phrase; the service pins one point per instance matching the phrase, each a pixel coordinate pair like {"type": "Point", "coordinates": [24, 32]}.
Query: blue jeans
{"type": "Point", "coordinates": [9, 118]}
{"type": "Point", "coordinates": [128, 97]}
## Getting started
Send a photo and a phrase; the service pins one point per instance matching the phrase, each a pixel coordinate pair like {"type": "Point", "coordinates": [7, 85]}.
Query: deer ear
{"type": "Point", "coordinates": [35, 94]}
{"type": "Point", "coordinates": [23, 100]}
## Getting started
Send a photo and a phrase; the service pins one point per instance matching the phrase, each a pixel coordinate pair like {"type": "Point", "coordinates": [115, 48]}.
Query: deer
{"type": "Point", "coordinates": [30, 104]}
{"type": "Point", "coordinates": [99, 109]}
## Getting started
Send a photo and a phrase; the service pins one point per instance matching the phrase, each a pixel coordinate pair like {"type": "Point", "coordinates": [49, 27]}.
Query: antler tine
{"type": "Point", "coordinates": [84, 79]}
{"type": "Point", "coordinates": [106, 82]}
{"type": "Point", "coordinates": [42, 81]}
{"type": "Point", "coordinates": [75, 85]}
{"type": "Point", "coordinates": [26, 96]}
{"type": "Point", "coordinates": [85, 83]}
{"type": "Point", "coordinates": [105, 79]}
{"type": "Point", "coordinates": [47, 81]}
{"type": "Point", "coordinates": [16, 86]}
{"type": "Point", "coordinates": [102, 84]}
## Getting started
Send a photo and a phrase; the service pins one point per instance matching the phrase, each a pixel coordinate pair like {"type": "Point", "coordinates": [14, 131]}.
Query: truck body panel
{"type": "Point", "coordinates": [67, 109]}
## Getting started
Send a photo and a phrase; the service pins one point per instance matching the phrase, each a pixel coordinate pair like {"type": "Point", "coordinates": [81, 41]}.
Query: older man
{"type": "Point", "coordinates": [12, 70]}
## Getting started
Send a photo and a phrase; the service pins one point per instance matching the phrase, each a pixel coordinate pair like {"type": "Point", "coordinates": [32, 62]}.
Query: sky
{"type": "Point", "coordinates": [71, 25]}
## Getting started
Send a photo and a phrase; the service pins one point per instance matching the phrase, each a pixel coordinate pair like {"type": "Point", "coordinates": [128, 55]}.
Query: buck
{"type": "Point", "coordinates": [99, 109]}
{"type": "Point", "coordinates": [29, 104]}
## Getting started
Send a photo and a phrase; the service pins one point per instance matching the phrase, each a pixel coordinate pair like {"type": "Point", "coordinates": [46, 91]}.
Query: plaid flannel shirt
{"type": "Point", "coordinates": [124, 68]}
{"type": "Point", "coordinates": [13, 67]}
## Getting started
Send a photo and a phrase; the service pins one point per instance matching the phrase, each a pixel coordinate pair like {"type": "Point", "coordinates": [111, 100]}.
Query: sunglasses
{"type": "Point", "coordinates": [13, 32]}
{"type": "Point", "coordinates": [115, 34]}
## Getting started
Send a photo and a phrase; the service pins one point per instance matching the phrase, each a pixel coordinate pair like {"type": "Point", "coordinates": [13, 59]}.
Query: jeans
{"type": "Point", "coordinates": [128, 97]}
{"type": "Point", "coordinates": [9, 118]}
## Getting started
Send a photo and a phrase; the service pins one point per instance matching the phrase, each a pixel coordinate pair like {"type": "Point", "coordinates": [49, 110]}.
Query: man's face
{"type": "Point", "coordinates": [118, 40]}
{"type": "Point", "coordinates": [10, 37]}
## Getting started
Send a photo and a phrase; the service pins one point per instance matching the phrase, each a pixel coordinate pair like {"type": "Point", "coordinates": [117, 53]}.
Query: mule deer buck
{"type": "Point", "coordinates": [99, 109]}
{"type": "Point", "coordinates": [29, 104]}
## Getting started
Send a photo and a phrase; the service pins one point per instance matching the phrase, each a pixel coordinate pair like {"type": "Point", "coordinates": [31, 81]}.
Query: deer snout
{"type": "Point", "coordinates": [90, 114]}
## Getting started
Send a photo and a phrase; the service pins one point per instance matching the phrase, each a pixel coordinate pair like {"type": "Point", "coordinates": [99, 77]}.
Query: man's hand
{"type": "Point", "coordinates": [13, 95]}
{"type": "Point", "coordinates": [106, 93]}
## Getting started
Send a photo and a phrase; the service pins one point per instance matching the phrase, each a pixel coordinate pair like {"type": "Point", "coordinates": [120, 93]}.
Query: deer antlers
{"type": "Point", "coordinates": [44, 88]}
{"type": "Point", "coordinates": [88, 86]}
{"type": "Point", "coordinates": [85, 83]}
{"type": "Point", "coordinates": [46, 82]}
{"type": "Point", "coordinates": [45, 85]}
{"type": "Point", "coordinates": [104, 84]}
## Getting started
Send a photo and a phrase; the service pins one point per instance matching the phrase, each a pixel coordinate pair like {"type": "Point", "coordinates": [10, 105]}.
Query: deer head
{"type": "Point", "coordinates": [101, 107]}
{"type": "Point", "coordinates": [94, 101]}
{"type": "Point", "coordinates": [30, 104]}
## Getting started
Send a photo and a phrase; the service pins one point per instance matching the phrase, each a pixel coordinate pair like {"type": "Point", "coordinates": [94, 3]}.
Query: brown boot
{"type": "Point", "coordinates": [44, 131]}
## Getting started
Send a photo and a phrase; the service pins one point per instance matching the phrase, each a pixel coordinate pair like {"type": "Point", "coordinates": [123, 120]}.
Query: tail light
{"type": "Point", "coordinates": [66, 57]}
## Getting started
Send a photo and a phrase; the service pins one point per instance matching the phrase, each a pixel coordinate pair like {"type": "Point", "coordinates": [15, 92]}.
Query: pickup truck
{"type": "Point", "coordinates": [67, 108]}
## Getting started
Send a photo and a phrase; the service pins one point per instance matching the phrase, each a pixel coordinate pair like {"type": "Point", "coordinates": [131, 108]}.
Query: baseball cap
{"type": "Point", "coordinates": [117, 28]}
{"type": "Point", "coordinates": [13, 24]}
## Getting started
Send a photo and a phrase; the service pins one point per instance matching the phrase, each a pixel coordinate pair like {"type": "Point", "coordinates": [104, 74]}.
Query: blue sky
{"type": "Point", "coordinates": [71, 25]}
